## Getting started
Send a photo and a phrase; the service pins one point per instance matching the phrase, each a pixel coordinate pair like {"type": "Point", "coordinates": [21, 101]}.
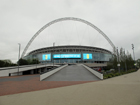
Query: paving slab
{"type": "Point", "coordinates": [21, 84]}
{"type": "Point", "coordinates": [121, 90]}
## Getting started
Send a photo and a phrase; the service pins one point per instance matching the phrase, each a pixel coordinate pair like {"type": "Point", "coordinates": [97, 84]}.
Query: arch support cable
{"type": "Point", "coordinates": [64, 19]}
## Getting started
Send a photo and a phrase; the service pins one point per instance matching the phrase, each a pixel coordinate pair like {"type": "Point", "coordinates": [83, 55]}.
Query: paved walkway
{"type": "Point", "coordinates": [21, 84]}
{"type": "Point", "coordinates": [73, 73]}
{"type": "Point", "coordinates": [70, 75]}
{"type": "Point", "coordinates": [121, 90]}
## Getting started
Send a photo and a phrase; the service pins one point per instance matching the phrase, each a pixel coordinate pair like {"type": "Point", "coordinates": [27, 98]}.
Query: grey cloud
{"type": "Point", "coordinates": [20, 20]}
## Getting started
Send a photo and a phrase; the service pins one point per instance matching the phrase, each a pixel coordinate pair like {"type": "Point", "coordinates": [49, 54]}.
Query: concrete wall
{"type": "Point", "coordinates": [99, 75]}
{"type": "Point", "coordinates": [47, 74]}
{"type": "Point", "coordinates": [13, 70]}
{"type": "Point", "coordinates": [4, 73]}
{"type": "Point", "coordinates": [14, 74]}
{"type": "Point", "coordinates": [96, 64]}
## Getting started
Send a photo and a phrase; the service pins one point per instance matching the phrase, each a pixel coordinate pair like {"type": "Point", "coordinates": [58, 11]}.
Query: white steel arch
{"type": "Point", "coordinates": [64, 19]}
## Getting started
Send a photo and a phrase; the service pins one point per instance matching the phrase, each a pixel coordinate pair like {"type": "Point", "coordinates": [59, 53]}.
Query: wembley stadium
{"type": "Point", "coordinates": [70, 54]}
{"type": "Point", "coordinates": [64, 52]}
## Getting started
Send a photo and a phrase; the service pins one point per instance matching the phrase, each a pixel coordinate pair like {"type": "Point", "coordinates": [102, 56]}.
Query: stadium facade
{"type": "Point", "coordinates": [70, 54]}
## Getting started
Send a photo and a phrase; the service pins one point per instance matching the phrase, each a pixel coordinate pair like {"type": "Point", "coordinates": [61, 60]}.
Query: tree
{"type": "Point", "coordinates": [2, 63]}
{"type": "Point", "coordinates": [6, 63]}
{"type": "Point", "coordinates": [125, 60]}
{"type": "Point", "coordinates": [112, 63]}
{"type": "Point", "coordinates": [35, 61]}
{"type": "Point", "coordinates": [129, 61]}
{"type": "Point", "coordinates": [23, 62]}
{"type": "Point", "coordinates": [138, 63]}
{"type": "Point", "coordinates": [28, 61]}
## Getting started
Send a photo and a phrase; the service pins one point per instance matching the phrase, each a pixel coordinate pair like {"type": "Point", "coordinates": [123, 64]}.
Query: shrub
{"type": "Point", "coordinates": [109, 76]}
{"type": "Point", "coordinates": [117, 74]}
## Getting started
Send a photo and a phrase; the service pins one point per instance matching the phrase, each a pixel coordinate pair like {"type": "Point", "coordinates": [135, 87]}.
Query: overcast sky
{"type": "Point", "coordinates": [21, 19]}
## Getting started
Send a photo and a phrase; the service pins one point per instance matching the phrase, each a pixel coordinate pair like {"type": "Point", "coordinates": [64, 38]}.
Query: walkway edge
{"type": "Point", "coordinates": [45, 75]}
{"type": "Point", "coordinates": [99, 75]}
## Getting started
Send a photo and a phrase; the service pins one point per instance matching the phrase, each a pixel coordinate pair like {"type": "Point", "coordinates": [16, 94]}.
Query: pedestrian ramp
{"type": "Point", "coordinates": [78, 72]}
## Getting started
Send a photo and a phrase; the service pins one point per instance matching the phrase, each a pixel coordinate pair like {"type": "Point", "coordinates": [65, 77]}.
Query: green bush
{"type": "Point", "coordinates": [113, 74]}
{"type": "Point", "coordinates": [117, 74]}
{"type": "Point", "coordinates": [109, 76]}
{"type": "Point", "coordinates": [105, 77]}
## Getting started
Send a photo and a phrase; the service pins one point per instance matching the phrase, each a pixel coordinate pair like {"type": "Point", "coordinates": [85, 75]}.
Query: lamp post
{"type": "Point", "coordinates": [125, 61]}
{"type": "Point", "coordinates": [36, 62]}
{"type": "Point", "coordinates": [133, 54]}
{"type": "Point", "coordinates": [118, 60]}
{"type": "Point", "coordinates": [60, 57]}
{"type": "Point", "coordinates": [53, 54]}
{"type": "Point", "coordinates": [18, 57]}
{"type": "Point", "coordinates": [133, 51]}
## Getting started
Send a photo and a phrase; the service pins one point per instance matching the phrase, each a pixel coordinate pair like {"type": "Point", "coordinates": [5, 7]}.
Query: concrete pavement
{"type": "Point", "coordinates": [19, 78]}
{"type": "Point", "coordinates": [73, 73]}
{"type": "Point", "coordinates": [121, 90]}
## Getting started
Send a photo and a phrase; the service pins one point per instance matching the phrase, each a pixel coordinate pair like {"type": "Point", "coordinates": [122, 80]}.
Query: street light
{"type": "Point", "coordinates": [53, 54]}
{"type": "Point", "coordinates": [118, 60]}
{"type": "Point", "coordinates": [133, 53]}
{"type": "Point", "coordinates": [125, 61]}
{"type": "Point", "coordinates": [18, 57]}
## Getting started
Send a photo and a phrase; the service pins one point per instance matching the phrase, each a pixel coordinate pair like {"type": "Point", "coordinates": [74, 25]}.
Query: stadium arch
{"type": "Point", "coordinates": [65, 19]}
